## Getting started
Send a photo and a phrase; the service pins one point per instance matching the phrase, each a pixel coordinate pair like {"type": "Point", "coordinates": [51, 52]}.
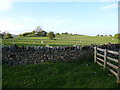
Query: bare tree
{"type": "Point", "coordinates": [38, 29]}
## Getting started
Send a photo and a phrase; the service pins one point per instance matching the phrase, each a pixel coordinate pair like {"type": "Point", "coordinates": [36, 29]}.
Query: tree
{"type": "Point", "coordinates": [65, 33]}
{"type": "Point", "coordinates": [38, 29]}
{"type": "Point", "coordinates": [110, 35]}
{"type": "Point", "coordinates": [1, 34]}
{"type": "Point", "coordinates": [39, 32]}
{"type": "Point", "coordinates": [117, 36]}
{"type": "Point", "coordinates": [51, 35]}
{"type": "Point", "coordinates": [42, 33]}
{"type": "Point", "coordinates": [33, 32]}
{"type": "Point", "coordinates": [20, 35]}
{"type": "Point", "coordinates": [57, 34]}
{"type": "Point", "coordinates": [98, 35]}
{"type": "Point", "coordinates": [101, 35]}
{"type": "Point", "coordinates": [8, 35]}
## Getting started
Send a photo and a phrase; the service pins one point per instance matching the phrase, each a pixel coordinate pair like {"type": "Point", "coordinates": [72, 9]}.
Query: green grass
{"type": "Point", "coordinates": [61, 40]}
{"type": "Point", "coordinates": [58, 75]}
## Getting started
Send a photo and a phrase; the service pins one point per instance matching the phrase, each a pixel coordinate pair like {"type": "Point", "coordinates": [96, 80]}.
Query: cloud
{"type": "Point", "coordinates": [5, 5]}
{"type": "Point", "coordinates": [53, 24]}
{"type": "Point", "coordinates": [17, 26]}
{"type": "Point", "coordinates": [115, 5]}
{"type": "Point", "coordinates": [10, 26]}
{"type": "Point", "coordinates": [27, 24]}
{"type": "Point", "coordinates": [28, 19]}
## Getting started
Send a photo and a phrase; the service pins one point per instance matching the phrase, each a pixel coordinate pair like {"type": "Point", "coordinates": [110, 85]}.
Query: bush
{"type": "Point", "coordinates": [33, 32]}
{"type": "Point", "coordinates": [101, 35]}
{"type": "Point", "coordinates": [1, 35]}
{"type": "Point", "coordinates": [117, 36]}
{"type": "Point", "coordinates": [7, 36]}
{"type": "Point", "coordinates": [98, 35]}
{"type": "Point", "coordinates": [42, 33]}
{"type": "Point", "coordinates": [110, 35]}
{"type": "Point", "coordinates": [65, 33]}
{"type": "Point", "coordinates": [25, 34]}
{"type": "Point", "coordinates": [57, 34]}
{"type": "Point", "coordinates": [20, 35]}
{"type": "Point", "coordinates": [51, 35]}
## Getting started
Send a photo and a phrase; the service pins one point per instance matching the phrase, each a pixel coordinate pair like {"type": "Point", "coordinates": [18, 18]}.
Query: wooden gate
{"type": "Point", "coordinates": [104, 58]}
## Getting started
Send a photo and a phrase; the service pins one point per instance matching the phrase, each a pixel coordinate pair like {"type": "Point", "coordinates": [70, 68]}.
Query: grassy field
{"type": "Point", "coordinates": [61, 40]}
{"type": "Point", "coordinates": [77, 74]}
{"type": "Point", "coordinates": [58, 75]}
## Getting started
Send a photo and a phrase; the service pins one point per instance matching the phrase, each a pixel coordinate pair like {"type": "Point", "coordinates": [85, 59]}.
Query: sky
{"type": "Point", "coordinates": [78, 17]}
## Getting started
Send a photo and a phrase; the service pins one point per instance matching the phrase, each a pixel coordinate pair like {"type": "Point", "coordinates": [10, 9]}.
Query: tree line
{"type": "Point", "coordinates": [39, 32]}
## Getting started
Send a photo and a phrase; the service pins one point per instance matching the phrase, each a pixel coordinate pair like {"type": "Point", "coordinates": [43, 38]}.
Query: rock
{"type": "Point", "coordinates": [86, 64]}
{"type": "Point", "coordinates": [28, 47]}
{"type": "Point", "coordinates": [34, 42]}
{"type": "Point", "coordinates": [61, 57]}
{"type": "Point", "coordinates": [42, 61]}
{"type": "Point", "coordinates": [42, 41]}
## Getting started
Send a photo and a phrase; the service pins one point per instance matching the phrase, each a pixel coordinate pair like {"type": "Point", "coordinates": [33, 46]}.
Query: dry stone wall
{"type": "Point", "coordinates": [14, 55]}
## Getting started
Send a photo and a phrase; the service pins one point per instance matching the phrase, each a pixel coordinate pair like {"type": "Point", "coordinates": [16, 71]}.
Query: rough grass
{"type": "Point", "coordinates": [61, 40]}
{"type": "Point", "coordinates": [79, 74]}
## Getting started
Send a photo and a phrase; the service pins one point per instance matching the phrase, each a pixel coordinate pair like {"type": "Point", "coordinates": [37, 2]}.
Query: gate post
{"type": "Point", "coordinates": [95, 54]}
{"type": "Point", "coordinates": [105, 58]}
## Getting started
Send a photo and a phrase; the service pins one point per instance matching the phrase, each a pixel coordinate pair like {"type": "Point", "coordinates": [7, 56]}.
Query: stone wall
{"type": "Point", "coordinates": [14, 55]}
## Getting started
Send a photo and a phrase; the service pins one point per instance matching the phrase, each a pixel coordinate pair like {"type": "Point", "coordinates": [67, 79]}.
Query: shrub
{"type": "Point", "coordinates": [7, 36]}
{"type": "Point", "coordinates": [98, 35]}
{"type": "Point", "coordinates": [65, 33]}
{"type": "Point", "coordinates": [57, 34]}
{"type": "Point", "coordinates": [33, 32]}
{"type": "Point", "coordinates": [101, 35]}
{"type": "Point", "coordinates": [25, 34]}
{"type": "Point", "coordinates": [20, 35]}
{"type": "Point", "coordinates": [110, 35]}
{"type": "Point", "coordinates": [51, 35]}
{"type": "Point", "coordinates": [117, 36]}
{"type": "Point", "coordinates": [42, 33]}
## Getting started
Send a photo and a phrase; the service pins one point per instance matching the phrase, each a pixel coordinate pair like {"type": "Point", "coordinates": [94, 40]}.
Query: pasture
{"type": "Point", "coordinates": [77, 74]}
{"type": "Point", "coordinates": [61, 40]}
{"type": "Point", "coordinates": [82, 73]}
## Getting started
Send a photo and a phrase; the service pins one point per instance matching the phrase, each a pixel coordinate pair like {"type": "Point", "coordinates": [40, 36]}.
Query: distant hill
{"type": "Point", "coordinates": [81, 34]}
{"type": "Point", "coordinates": [13, 34]}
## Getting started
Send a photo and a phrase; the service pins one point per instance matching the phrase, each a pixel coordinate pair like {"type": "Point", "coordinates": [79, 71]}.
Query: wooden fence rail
{"type": "Point", "coordinates": [105, 61]}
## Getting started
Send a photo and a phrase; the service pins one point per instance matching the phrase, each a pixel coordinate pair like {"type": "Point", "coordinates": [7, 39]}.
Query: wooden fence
{"type": "Point", "coordinates": [104, 58]}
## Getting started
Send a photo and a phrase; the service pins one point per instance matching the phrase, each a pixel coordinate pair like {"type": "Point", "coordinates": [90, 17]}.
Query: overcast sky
{"type": "Point", "coordinates": [88, 18]}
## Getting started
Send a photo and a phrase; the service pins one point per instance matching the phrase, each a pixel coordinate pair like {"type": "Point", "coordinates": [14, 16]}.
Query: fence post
{"type": "Point", "coordinates": [105, 58]}
{"type": "Point", "coordinates": [118, 79]}
{"type": "Point", "coordinates": [95, 54]}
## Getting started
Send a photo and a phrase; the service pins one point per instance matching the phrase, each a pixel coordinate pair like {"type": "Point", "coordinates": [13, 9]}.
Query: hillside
{"type": "Point", "coordinates": [60, 40]}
